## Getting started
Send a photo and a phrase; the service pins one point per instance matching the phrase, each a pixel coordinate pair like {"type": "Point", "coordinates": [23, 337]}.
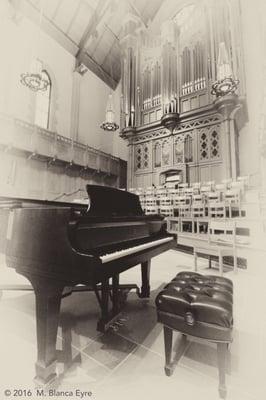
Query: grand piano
{"type": "Point", "coordinates": [64, 247]}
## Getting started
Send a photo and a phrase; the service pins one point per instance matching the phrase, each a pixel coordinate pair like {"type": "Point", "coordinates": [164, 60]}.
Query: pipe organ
{"type": "Point", "coordinates": [170, 69]}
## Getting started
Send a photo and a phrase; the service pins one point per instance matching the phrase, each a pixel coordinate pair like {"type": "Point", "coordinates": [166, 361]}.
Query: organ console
{"type": "Point", "coordinates": [60, 246]}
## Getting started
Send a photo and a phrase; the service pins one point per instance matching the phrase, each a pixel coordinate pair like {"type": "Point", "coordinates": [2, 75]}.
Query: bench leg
{"type": "Point", "coordinates": [168, 339]}
{"type": "Point", "coordinates": [221, 354]}
{"type": "Point", "coordinates": [220, 264]}
{"type": "Point", "coordinates": [195, 261]}
{"type": "Point", "coordinates": [235, 263]}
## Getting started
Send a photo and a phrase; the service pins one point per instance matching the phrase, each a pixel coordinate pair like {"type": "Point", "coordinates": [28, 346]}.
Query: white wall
{"type": "Point", "coordinates": [252, 41]}
{"type": "Point", "coordinates": [93, 99]}
{"type": "Point", "coordinates": [120, 147]}
{"type": "Point", "coordinates": [19, 42]}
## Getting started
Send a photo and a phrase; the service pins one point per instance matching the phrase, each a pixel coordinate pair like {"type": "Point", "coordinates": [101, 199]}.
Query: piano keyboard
{"type": "Point", "coordinates": [122, 253]}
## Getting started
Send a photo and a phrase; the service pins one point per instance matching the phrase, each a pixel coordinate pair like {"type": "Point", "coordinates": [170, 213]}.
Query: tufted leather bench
{"type": "Point", "coordinates": [198, 306]}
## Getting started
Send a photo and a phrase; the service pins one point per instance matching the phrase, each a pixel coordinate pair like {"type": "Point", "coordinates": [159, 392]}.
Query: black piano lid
{"type": "Point", "coordinates": [109, 201]}
{"type": "Point", "coordinates": [104, 201]}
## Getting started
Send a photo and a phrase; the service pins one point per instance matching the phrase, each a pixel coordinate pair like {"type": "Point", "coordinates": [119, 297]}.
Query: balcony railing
{"type": "Point", "coordinates": [45, 145]}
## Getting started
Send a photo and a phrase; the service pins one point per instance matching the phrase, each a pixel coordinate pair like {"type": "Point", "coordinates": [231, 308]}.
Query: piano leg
{"type": "Point", "coordinates": [109, 317]}
{"type": "Point", "coordinates": [104, 304]}
{"type": "Point", "coordinates": [145, 276]}
{"type": "Point", "coordinates": [115, 297]}
{"type": "Point", "coordinates": [48, 299]}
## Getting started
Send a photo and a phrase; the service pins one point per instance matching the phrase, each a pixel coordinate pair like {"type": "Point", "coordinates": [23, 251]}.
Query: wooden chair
{"type": "Point", "coordinates": [161, 192]}
{"type": "Point", "coordinates": [221, 242]}
{"type": "Point", "coordinates": [198, 206]}
{"type": "Point", "coordinates": [205, 189]}
{"type": "Point", "coordinates": [188, 191]}
{"type": "Point", "coordinates": [149, 210]}
{"type": "Point", "coordinates": [185, 211]}
{"type": "Point", "coordinates": [151, 206]}
{"type": "Point", "coordinates": [142, 200]}
{"type": "Point", "coordinates": [238, 185]}
{"type": "Point", "coordinates": [173, 224]}
{"type": "Point", "coordinates": [167, 211]}
{"type": "Point", "coordinates": [220, 188]}
{"type": "Point", "coordinates": [182, 187]}
{"type": "Point", "coordinates": [173, 192]}
{"type": "Point", "coordinates": [150, 201]}
{"type": "Point", "coordinates": [227, 182]}
{"type": "Point", "coordinates": [245, 179]}
{"type": "Point", "coordinates": [149, 191]}
{"type": "Point", "coordinates": [216, 207]}
{"type": "Point", "coordinates": [198, 210]}
{"type": "Point", "coordinates": [177, 202]}
{"type": "Point", "coordinates": [232, 199]}
{"type": "Point", "coordinates": [165, 206]}
{"type": "Point", "coordinates": [196, 187]}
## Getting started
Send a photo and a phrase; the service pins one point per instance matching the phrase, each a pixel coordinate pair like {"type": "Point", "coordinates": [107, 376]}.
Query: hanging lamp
{"type": "Point", "coordinates": [109, 124]}
{"type": "Point", "coordinates": [35, 79]}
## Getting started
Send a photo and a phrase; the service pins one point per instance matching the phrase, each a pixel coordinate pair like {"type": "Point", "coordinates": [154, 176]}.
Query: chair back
{"type": "Point", "coordinates": [179, 200]}
{"type": "Point", "coordinates": [239, 185]}
{"type": "Point", "coordinates": [149, 191]}
{"type": "Point", "coordinates": [222, 232]}
{"type": "Point", "coordinates": [213, 197]}
{"type": "Point", "coordinates": [150, 201]}
{"type": "Point", "coordinates": [149, 210]}
{"type": "Point", "coordinates": [197, 199]}
{"type": "Point", "coordinates": [167, 211]}
{"type": "Point", "coordinates": [227, 182]}
{"type": "Point", "coordinates": [232, 196]}
{"type": "Point", "coordinates": [245, 179]}
{"type": "Point", "coordinates": [205, 189]}
{"type": "Point", "coordinates": [185, 211]}
{"type": "Point", "coordinates": [165, 201]}
{"type": "Point", "coordinates": [161, 192]}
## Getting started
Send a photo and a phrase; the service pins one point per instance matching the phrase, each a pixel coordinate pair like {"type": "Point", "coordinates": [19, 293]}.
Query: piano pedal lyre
{"type": "Point", "coordinates": [117, 324]}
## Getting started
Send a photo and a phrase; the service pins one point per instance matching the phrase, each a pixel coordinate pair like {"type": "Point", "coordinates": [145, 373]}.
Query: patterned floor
{"type": "Point", "coordinates": [128, 364]}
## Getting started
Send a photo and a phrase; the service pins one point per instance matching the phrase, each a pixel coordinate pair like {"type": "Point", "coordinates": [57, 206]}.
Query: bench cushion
{"type": "Point", "coordinates": [198, 305]}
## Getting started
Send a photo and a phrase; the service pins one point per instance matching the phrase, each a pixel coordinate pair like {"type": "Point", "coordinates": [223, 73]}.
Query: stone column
{"type": "Point", "coordinates": [227, 106]}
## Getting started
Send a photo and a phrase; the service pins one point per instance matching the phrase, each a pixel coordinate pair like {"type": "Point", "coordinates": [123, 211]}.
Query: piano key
{"type": "Point", "coordinates": [131, 250]}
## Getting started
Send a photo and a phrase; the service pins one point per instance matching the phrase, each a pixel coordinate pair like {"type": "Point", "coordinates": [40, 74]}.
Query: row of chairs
{"type": "Point", "coordinates": [222, 238]}
{"type": "Point", "coordinates": [213, 204]}
{"type": "Point", "coordinates": [195, 188]}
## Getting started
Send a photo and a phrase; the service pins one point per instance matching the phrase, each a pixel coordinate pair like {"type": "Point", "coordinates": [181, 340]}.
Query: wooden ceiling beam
{"type": "Point", "coordinates": [94, 20]}
{"type": "Point", "coordinates": [83, 57]}
{"type": "Point", "coordinates": [33, 13]}
{"type": "Point", "coordinates": [90, 63]}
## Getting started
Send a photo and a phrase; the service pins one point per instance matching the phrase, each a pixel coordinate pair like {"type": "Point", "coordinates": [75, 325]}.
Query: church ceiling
{"type": "Point", "coordinates": [91, 29]}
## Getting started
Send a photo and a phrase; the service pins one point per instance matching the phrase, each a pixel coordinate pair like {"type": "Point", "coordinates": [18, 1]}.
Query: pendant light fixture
{"type": "Point", "coordinates": [109, 124]}
{"type": "Point", "coordinates": [35, 79]}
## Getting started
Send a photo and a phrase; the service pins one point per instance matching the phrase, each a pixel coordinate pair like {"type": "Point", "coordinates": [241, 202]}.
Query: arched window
{"type": "Point", "coordinates": [43, 103]}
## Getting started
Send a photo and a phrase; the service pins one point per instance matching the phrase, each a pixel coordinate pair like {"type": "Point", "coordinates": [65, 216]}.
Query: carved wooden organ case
{"type": "Point", "coordinates": [170, 67]}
